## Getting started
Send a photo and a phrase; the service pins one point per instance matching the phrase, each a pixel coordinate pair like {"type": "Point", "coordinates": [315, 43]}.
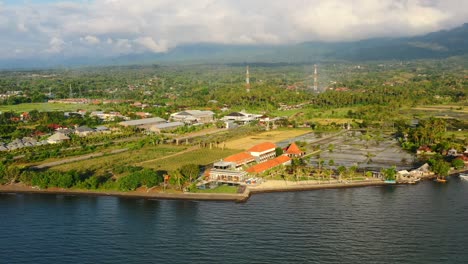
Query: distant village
{"type": "Point", "coordinates": [145, 123]}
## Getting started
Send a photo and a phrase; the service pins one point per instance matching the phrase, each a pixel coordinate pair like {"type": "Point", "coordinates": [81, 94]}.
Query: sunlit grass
{"type": "Point", "coordinates": [199, 157]}
{"type": "Point", "coordinates": [129, 158]}
{"type": "Point", "coordinates": [46, 107]}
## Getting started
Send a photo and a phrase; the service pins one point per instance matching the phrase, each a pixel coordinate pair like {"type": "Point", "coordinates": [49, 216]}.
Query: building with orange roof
{"type": "Point", "coordinates": [261, 167]}
{"type": "Point", "coordinates": [293, 151]}
{"type": "Point", "coordinates": [263, 151]}
{"type": "Point", "coordinates": [240, 159]}
{"type": "Point", "coordinates": [224, 171]}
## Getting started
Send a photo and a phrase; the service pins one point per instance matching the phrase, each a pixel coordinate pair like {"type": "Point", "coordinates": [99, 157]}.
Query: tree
{"type": "Point", "coordinates": [458, 164]}
{"type": "Point", "coordinates": [128, 183]}
{"type": "Point", "coordinates": [279, 151]}
{"type": "Point", "coordinates": [9, 173]}
{"type": "Point", "coordinates": [176, 178]}
{"type": "Point", "coordinates": [440, 167]}
{"type": "Point", "coordinates": [190, 171]}
{"type": "Point", "coordinates": [341, 171]}
{"type": "Point", "coordinates": [389, 173]}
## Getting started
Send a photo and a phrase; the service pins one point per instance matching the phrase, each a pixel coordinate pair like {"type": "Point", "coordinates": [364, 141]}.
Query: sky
{"type": "Point", "coordinates": [45, 28]}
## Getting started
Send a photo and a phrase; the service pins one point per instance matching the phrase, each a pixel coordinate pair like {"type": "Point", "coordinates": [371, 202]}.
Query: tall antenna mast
{"type": "Point", "coordinates": [315, 78]}
{"type": "Point", "coordinates": [247, 79]}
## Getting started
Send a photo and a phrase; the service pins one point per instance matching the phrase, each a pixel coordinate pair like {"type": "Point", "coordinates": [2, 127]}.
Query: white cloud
{"type": "Point", "coordinates": [151, 45]}
{"type": "Point", "coordinates": [108, 27]}
{"type": "Point", "coordinates": [90, 40]}
{"type": "Point", "coordinates": [55, 45]}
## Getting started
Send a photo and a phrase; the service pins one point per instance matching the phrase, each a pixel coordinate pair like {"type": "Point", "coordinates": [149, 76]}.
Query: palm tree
{"type": "Point", "coordinates": [341, 171]}
{"type": "Point", "coordinates": [177, 178]}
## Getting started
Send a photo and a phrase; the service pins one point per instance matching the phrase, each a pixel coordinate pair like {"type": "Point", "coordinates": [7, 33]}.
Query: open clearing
{"type": "Point", "coordinates": [268, 136]}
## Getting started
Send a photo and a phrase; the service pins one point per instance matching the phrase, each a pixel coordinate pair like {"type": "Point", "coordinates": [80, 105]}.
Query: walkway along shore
{"type": "Point", "coordinates": [266, 187]}
{"type": "Point", "coordinates": [277, 186]}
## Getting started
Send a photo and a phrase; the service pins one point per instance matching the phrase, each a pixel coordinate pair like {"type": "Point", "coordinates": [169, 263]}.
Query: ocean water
{"type": "Point", "coordinates": [423, 223]}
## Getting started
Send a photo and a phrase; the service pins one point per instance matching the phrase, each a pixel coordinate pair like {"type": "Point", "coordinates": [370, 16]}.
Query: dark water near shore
{"type": "Point", "coordinates": [424, 223]}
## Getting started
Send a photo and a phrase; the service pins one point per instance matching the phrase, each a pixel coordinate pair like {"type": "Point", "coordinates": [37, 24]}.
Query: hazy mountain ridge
{"type": "Point", "coordinates": [441, 44]}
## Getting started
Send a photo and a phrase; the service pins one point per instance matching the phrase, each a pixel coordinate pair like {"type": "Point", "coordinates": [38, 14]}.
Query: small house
{"type": "Point", "coordinates": [57, 138]}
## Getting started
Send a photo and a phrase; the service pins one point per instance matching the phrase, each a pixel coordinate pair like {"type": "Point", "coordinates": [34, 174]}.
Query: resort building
{"type": "Point", "coordinates": [270, 164]}
{"type": "Point", "coordinates": [263, 151]}
{"type": "Point", "coordinates": [293, 151]}
{"type": "Point", "coordinates": [240, 159]}
{"type": "Point", "coordinates": [145, 123]}
{"type": "Point", "coordinates": [225, 172]}
{"type": "Point", "coordinates": [193, 116]}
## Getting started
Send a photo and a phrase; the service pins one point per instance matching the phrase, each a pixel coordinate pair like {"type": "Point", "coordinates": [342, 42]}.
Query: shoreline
{"type": "Point", "coordinates": [242, 197]}
{"type": "Point", "coordinates": [270, 186]}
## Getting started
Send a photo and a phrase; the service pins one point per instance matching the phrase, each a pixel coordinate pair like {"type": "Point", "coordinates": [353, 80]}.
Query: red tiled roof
{"type": "Point", "coordinates": [293, 149]}
{"type": "Point", "coordinates": [425, 148]}
{"type": "Point", "coordinates": [268, 164]}
{"type": "Point", "coordinates": [240, 158]}
{"type": "Point", "coordinates": [262, 147]}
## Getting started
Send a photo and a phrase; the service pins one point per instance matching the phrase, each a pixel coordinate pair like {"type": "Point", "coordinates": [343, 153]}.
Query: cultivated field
{"type": "Point", "coordinates": [46, 107]}
{"type": "Point", "coordinates": [130, 158]}
{"type": "Point", "coordinates": [271, 136]}
{"type": "Point", "coordinates": [200, 157]}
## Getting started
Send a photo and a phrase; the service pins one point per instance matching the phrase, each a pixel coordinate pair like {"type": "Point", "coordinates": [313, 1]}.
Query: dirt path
{"type": "Point", "coordinates": [70, 160]}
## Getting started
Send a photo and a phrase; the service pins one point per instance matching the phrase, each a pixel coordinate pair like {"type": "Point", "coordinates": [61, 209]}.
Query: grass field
{"type": "Point", "coordinates": [220, 189]}
{"type": "Point", "coordinates": [270, 136]}
{"type": "Point", "coordinates": [455, 108]}
{"type": "Point", "coordinates": [327, 121]}
{"type": "Point", "coordinates": [131, 157]}
{"type": "Point", "coordinates": [46, 107]}
{"type": "Point", "coordinates": [199, 157]}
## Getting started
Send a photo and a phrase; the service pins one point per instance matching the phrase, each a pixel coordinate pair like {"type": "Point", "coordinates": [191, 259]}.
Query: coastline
{"type": "Point", "coordinates": [269, 186]}
{"type": "Point", "coordinates": [131, 194]}
{"type": "Point", "coordinates": [272, 186]}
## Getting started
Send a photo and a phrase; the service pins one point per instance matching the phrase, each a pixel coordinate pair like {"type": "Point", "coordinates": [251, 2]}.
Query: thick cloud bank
{"type": "Point", "coordinates": [114, 27]}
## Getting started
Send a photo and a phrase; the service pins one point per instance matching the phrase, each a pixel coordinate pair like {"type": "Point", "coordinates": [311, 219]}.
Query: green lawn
{"type": "Point", "coordinates": [220, 189]}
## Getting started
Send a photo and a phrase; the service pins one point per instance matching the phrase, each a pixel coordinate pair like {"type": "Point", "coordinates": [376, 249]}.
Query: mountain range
{"type": "Point", "coordinates": [436, 45]}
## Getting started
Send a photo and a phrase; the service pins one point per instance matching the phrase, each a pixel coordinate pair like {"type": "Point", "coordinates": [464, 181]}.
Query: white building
{"type": "Point", "coordinates": [263, 151]}
{"type": "Point", "coordinates": [193, 116]}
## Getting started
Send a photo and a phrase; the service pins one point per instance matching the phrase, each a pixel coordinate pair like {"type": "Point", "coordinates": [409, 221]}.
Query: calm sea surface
{"type": "Point", "coordinates": [424, 223]}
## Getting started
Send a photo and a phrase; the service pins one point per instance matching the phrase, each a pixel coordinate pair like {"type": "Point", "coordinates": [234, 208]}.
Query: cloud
{"type": "Point", "coordinates": [90, 40]}
{"type": "Point", "coordinates": [151, 45]}
{"type": "Point", "coordinates": [55, 45]}
{"type": "Point", "coordinates": [112, 27]}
